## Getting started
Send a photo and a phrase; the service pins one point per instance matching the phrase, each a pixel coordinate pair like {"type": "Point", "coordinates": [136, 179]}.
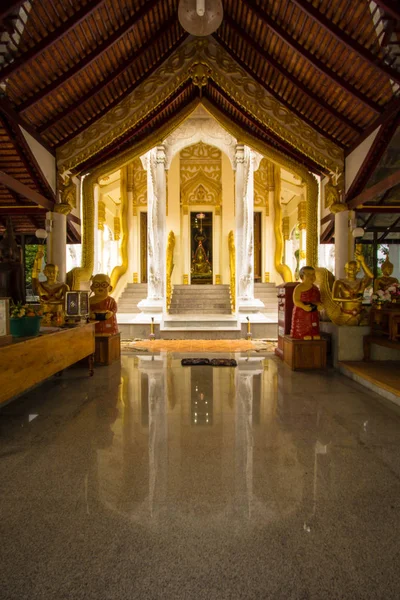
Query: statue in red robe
{"type": "Point", "coordinates": [103, 308]}
{"type": "Point", "coordinates": [307, 302]}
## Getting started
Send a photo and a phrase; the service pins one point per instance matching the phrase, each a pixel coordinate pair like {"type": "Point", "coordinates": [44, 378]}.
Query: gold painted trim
{"type": "Point", "coordinates": [283, 270]}
{"type": "Point", "coordinates": [218, 280]}
{"type": "Point", "coordinates": [120, 270]}
{"type": "Point", "coordinates": [135, 278]}
{"type": "Point", "coordinates": [185, 279]}
{"type": "Point", "coordinates": [266, 277]}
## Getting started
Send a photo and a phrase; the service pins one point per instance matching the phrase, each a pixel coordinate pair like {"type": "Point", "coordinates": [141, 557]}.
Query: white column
{"type": "Point", "coordinates": [244, 192]}
{"type": "Point", "coordinates": [341, 242]}
{"type": "Point", "coordinates": [57, 242]}
{"type": "Point", "coordinates": [154, 304]}
{"type": "Point", "coordinates": [131, 223]}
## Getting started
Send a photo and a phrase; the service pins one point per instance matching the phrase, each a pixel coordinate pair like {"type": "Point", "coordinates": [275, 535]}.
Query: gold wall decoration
{"type": "Point", "coordinates": [285, 228]}
{"type": "Point", "coordinates": [218, 211]}
{"type": "Point", "coordinates": [170, 266]}
{"type": "Point", "coordinates": [67, 191]}
{"type": "Point", "coordinates": [139, 186]}
{"type": "Point", "coordinates": [185, 279]}
{"type": "Point", "coordinates": [232, 79]}
{"type": "Point", "coordinates": [117, 228]}
{"type": "Point", "coordinates": [262, 185]}
{"type": "Point", "coordinates": [200, 174]}
{"type": "Point", "coordinates": [101, 215]}
{"type": "Point", "coordinates": [266, 277]}
{"type": "Point", "coordinates": [200, 73]}
{"type": "Point", "coordinates": [283, 270]}
{"type": "Point", "coordinates": [121, 269]}
{"type": "Point", "coordinates": [232, 269]}
{"type": "Point", "coordinates": [135, 278]}
{"type": "Point", "coordinates": [185, 209]}
{"type": "Point", "coordinates": [302, 215]}
{"type": "Point", "coordinates": [218, 280]}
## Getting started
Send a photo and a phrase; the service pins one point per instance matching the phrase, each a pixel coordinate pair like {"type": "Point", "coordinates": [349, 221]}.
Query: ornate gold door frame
{"type": "Point", "coordinates": [257, 246]}
{"type": "Point", "coordinates": [143, 247]}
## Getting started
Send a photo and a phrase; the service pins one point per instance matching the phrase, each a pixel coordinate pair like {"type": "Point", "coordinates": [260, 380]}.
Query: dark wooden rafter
{"type": "Point", "coordinates": [391, 109]}
{"type": "Point", "coordinates": [390, 229]}
{"type": "Point", "coordinates": [7, 110]}
{"type": "Point", "coordinates": [90, 57]}
{"type": "Point", "coordinates": [28, 158]}
{"type": "Point", "coordinates": [276, 65]}
{"type": "Point", "coordinates": [352, 44]}
{"type": "Point", "coordinates": [9, 6]}
{"type": "Point", "coordinates": [368, 195]}
{"type": "Point", "coordinates": [129, 90]}
{"type": "Point", "coordinates": [327, 218]}
{"type": "Point", "coordinates": [50, 39]}
{"type": "Point", "coordinates": [275, 141]}
{"type": "Point", "coordinates": [373, 157]}
{"type": "Point", "coordinates": [327, 234]}
{"type": "Point", "coordinates": [25, 191]}
{"type": "Point", "coordinates": [311, 58]}
{"type": "Point", "coordinates": [136, 56]}
{"type": "Point", "coordinates": [21, 209]}
{"type": "Point", "coordinates": [390, 7]}
{"type": "Point", "coordinates": [377, 210]}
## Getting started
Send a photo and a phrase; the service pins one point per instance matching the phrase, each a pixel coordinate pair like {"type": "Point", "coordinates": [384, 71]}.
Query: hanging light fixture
{"type": "Point", "coordinates": [200, 17]}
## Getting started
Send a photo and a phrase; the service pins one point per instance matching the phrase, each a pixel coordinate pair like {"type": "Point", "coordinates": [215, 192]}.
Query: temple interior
{"type": "Point", "coordinates": [200, 299]}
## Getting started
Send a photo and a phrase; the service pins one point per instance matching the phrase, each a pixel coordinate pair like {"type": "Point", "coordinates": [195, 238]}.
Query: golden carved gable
{"type": "Point", "coordinates": [200, 172]}
{"type": "Point", "coordinates": [262, 184]}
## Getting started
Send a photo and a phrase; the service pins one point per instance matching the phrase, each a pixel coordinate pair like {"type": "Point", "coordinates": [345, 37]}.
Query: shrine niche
{"type": "Point", "coordinates": [200, 175]}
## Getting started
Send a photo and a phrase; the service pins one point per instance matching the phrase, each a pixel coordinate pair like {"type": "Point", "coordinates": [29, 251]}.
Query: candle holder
{"type": "Point", "coordinates": [152, 335]}
{"type": "Point", "coordinates": [248, 329]}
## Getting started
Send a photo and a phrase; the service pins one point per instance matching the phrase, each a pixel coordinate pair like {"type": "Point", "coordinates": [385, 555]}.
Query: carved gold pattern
{"type": "Point", "coordinates": [170, 266]}
{"type": "Point", "coordinates": [82, 274]}
{"type": "Point", "coordinates": [67, 191]}
{"type": "Point", "coordinates": [117, 228]}
{"type": "Point", "coordinates": [302, 215]}
{"type": "Point", "coordinates": [218, 280]}
{"type": "Point", "coordinates": [338, 207]}
{"type": "Point", "coordinates": [200, 175]}
{"type": "Point", "coordinates": [218, 211]}
{"type": "Point", "coordinates": [120, 270]}
{"type": "Point", "coordinates": [139, 186]}
{"type": "Point", "coordinates": [200, 73]}
{"type": "Point", "coordinates": [283, 270]}
{"type": "Point", "coordinates": [232, 269]}
{"type": "Point", "coordinates": [262, 185]}
{"type": "Point", "coordinates": [135, 278]}
{"type": "Point", "coordinates": [285, 228]}
{"type": "Point", "coordinates": [101, 215]}
{"type": "Point", "coordinates": [232, 79]}
{"type": "Point", "coordinates": [185, 279]}
{"type": "Point", "coordinates": [266, 277]}
{"type": "Point", "coordinates": [62, 208]}
{"type": "Point", "coordinates": [185, 209]}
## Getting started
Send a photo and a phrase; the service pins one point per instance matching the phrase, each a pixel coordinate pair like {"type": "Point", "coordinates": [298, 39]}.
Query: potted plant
{"type": "Point", "coordinates": [24, 320]}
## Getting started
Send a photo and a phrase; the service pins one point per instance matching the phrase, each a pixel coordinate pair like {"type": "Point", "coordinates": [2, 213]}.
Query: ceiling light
{"type": "Point", "coordinates": [200, 17]}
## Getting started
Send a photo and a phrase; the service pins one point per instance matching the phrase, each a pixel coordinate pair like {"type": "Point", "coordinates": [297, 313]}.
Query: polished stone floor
{"type": "Point", "coordinates": [168, 482]}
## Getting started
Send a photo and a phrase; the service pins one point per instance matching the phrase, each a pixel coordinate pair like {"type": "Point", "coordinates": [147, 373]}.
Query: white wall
{"type": "Point", "coordinates": [354, 160]}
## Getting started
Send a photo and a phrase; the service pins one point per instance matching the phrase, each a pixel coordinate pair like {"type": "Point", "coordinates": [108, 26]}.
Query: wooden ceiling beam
{"type": "Point", "coordinates": [90, 57]}
{"type": "Point", "coordinates": [327, 218]}
{"type": "Point", "coordinates": [373, 157]}
{"type": "Point", "coordinates": [25, 191]}
{"type": "Point", "coordinates": [379, 209]}
{"type": "Point", "coordinates": [316, 62]}
{"type": "Point", "coordinates": [22, 209]}
{"type": "Point", "coordinates": [343, 37]}
{"type": "Point", "coordinates": [136, 56]}
{"type": "Point", "coordinates": [50, 39]}
{"type": "Point", "coordinates": [276, 65]}
{"type": "Point", "coordinates": [390, 8]}
{"type": "Point", "coordinates": [8, 6]}
{"type": "Point", "coordinates": [327, 234]}
{"type": "Point", "coordinates": [7, 110]}
{"type": "Point", "coordinates": [129, 90]}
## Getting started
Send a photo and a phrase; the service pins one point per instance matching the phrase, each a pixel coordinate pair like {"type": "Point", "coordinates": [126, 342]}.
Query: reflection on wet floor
{"type": "Point", "coordinates": [162, 481]}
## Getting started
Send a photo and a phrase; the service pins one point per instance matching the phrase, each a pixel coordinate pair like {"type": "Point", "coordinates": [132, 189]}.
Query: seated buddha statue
{"type": "Point", "coordinates": [51, 292]}
{"type": "Point", "coordinates": [349, 291]}
{"type": "Point", "coordinates": [200, 263]}
{"type": "Point", "coordinates": [382, 283]}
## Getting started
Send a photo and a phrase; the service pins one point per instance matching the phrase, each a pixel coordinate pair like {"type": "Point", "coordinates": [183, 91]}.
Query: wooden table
{"type": "Point", "coordinates": [386, 321]}
{"type": "Point", "coordinates": [30, 361]}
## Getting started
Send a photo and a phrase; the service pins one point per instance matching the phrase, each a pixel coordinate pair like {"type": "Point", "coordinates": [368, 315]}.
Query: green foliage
{"type": "Point", "coordinates": [30, 254]}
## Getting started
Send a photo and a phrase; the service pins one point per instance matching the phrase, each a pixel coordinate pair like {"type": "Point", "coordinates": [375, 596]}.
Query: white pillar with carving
{"type": "Point", "coordinates": [154, 163]}
{"type": "Point", "coordinates": [244, 198]}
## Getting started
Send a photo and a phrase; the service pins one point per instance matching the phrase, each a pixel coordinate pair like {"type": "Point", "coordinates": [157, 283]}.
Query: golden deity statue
{"type": "Point", "coordinates": [382, 283]}
{"type": "Point", "coordinates": [349, 291]}
{"type": "Point", "coordinates": [200, 262]}
{"type": "Point", "coordinates": [51, 292]}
